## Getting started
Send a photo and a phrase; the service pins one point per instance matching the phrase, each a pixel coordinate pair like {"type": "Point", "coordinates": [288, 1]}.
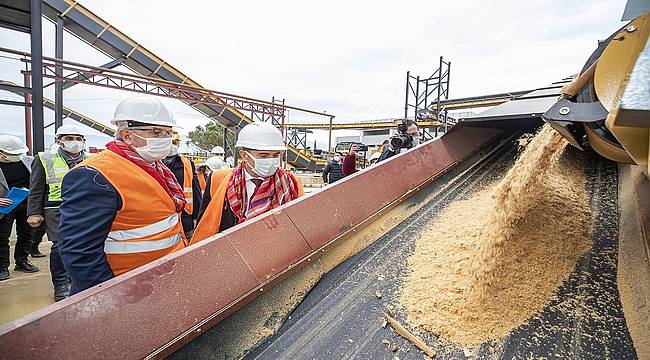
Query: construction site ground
{"type": "Point", "coordinates": [23, 293]}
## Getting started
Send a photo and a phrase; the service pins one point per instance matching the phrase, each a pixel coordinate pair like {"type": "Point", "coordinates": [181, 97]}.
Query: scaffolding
{"type": "Point", "coordinates": [423, 97]}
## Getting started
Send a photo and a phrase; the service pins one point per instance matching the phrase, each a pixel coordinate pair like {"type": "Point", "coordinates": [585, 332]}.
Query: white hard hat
{"type": "Point", "coordinates": [12, 145]}
{"type": "Point", "coordinates": [217, 150]}
{"type": "Point", "coordinates": [214, 163]}
{"type": "Point", "coordinates": [68, 130]}
{"type": "Point", "coordinates": [144, 110]}
{"type": "Point", "coordinates": [260, 136]}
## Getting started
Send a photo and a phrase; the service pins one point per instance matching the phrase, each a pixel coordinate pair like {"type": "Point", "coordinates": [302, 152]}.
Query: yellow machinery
{"type": "Point", "coordinates": [608, 104]}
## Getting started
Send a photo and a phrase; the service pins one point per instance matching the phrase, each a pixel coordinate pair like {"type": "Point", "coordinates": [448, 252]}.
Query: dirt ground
{"type": "Point", "coordinates": [24, 293]}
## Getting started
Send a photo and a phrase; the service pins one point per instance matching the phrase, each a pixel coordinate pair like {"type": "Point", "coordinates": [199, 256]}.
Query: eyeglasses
{"type": "Point", "coordinates": [156, 132]}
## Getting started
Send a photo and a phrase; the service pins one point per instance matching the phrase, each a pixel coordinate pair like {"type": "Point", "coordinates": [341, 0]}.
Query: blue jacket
{"type": "Point", "coordinates": [89, 206]}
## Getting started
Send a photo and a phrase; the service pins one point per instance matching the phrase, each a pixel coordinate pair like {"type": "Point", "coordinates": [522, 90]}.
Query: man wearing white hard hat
{"type": "Point", "coordinates": [122, 208]}
{"type": "Point", "coordinates": [218, 151]}
{"type": "Point", "coordinates": [48, 169]}
{"type": "Point", "coordinates": [256, 186]}
{"type": "Point", "coordinates": [217, 161]}
{"type": "Point", "coordinates": [14, 172]}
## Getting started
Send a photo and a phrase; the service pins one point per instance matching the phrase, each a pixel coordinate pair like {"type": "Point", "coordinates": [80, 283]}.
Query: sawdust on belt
{"type": "Point", "coordinates": [492, 261]}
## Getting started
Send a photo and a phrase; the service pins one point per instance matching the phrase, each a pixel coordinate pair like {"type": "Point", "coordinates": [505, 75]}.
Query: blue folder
{"type": "Point", "coordinates": [18, 195]}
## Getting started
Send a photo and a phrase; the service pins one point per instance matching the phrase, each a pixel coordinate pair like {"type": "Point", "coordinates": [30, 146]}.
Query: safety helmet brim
{"type": "Point", "coordinates": [246, 145]}
{"type": "Point", "coordinates": [18, 151]}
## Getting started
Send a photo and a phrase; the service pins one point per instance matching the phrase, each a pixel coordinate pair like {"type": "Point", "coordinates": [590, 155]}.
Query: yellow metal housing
{"type": "Point", "coordinates": [621, 59]}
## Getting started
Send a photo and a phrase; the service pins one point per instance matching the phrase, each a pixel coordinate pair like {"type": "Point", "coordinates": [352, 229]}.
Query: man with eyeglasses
{"type": "Point", "coordinates": [122, 208]}
{"type": "Point", "coordinates": [48, 169]}
{"type": "Point", "coordinates": [257, 185]}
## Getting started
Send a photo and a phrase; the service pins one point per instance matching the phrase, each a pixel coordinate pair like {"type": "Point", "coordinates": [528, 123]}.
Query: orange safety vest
{"type": "Point", "coordinates": [147, 227]}
{"type": "Point", "coordinates": [201, 177]}
{"type": "Point", "coordinates": [211, 219]}
{"type": "Point", "coordinates": [188, 175]}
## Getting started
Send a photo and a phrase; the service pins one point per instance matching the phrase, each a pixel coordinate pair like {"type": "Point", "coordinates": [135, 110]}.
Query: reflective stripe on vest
{"type": "Point", "coordinates": [188, 176]}
{"type": "Point", "coordinates": [148, 230]}
{"type": "Point", "coordinates": [131, 247]}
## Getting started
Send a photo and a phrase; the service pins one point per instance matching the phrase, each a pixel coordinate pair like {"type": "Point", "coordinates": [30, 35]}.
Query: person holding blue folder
{"type": "Point", "coordinates": [14, 174]}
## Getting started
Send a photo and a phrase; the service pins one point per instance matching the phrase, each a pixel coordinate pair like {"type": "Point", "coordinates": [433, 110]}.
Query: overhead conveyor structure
{"type": "Point", "coordinates": [367, 125]}
{"type": "Point", "coordinates": [68, 113]}
{"type": "Point", "coordinates": [494, 99]}
{"type": "Point", "coordinates": [99, 34]}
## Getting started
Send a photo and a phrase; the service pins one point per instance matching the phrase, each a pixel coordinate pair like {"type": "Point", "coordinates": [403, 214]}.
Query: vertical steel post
{"type": "Point", "coordinates": [438, 98]}
{"type": "Point", "coordinates": [235, 152]}
{"type": "Point", "coordinates": [448, 79]}
{"type": "Point", "coordinates": [406, 103]}
{"type": "Point", "coordinates": [28, 112]}
{"type": "Point", "coordinates": [426, 94]}
{"type": "Point", "coordinates": [417, 98]}
{"type": "Point", "coordinates": [225, 142]}
{"type": "Point", "coordinates": [58, 86]}
{"type": "Point", "coordinates": [38, 135]}
{"type": "Point", "coordinates": [329, 142]}
{"type": "Point", "coordinates": [447, 90]}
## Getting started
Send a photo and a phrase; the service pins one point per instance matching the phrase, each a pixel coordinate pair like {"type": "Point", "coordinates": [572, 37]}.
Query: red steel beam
{"type": "Point", "coordinates": [99, 76]}
{"type": "Point", "coordinates": [155, 309]}
{"type": "Point", "coordinates": [135, 83]}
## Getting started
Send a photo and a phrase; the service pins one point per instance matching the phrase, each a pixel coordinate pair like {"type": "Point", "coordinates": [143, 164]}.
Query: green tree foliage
{"type": "Point", "coordinates": [208, 136]}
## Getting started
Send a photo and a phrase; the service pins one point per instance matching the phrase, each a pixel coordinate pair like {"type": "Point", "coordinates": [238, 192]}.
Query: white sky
{"type": "Point", "coordinates": [346, 57]}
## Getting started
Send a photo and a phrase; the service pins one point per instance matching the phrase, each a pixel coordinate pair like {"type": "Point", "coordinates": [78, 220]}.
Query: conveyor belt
{"type": "Point", "coordinates": [341, 317]}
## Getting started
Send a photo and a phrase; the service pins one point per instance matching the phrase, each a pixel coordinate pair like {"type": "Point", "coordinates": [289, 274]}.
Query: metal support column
{"type": "Point", "coordinates": [225, 142]}
{"type": "Point", "coordinates": [58, 87]}
{"type": "Point", "coordinates": [417, 98]}
{"type": "Point", "coordinates": [235, 152]}
{"type": "Point", "coordinates": [406, 105]}
{"type": "Point", "coordinates": [38, 136]}
{"type": "Point", "coordinates": [439, 88]}
{"type": "Point", "coordinates": [28, 112]}
{"type": "Point", "coordinates": [329, 142]}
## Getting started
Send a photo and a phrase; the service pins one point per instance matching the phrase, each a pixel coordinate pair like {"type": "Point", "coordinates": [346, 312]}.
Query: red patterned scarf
{"type": "Point", "coordinates": [157, 170]}
{"type": "Point", "coordinates": [274, 191]}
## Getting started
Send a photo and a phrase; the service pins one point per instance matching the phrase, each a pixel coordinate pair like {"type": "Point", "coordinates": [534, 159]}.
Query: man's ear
{"type": "Point", "coordinates": [125, 136]}
{"type": "Point", "coordinates": [242, 154]}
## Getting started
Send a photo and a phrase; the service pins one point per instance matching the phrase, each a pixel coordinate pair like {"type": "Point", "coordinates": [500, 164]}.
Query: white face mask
{"type": "Point", "coordinates": [220, 157]}
{"type": "Point", "coordinates": [11, 158]}
{"type": "Point", "coordinates": [173, 150]}
{"type": "Point", "coordinates": [337, 158]}
{"type": "Point", "coordinates": [73, 146]}
{"type": "Point", "coordinates": [265, 167]}
{"type": "Point", "coordinates": [155, 149]}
